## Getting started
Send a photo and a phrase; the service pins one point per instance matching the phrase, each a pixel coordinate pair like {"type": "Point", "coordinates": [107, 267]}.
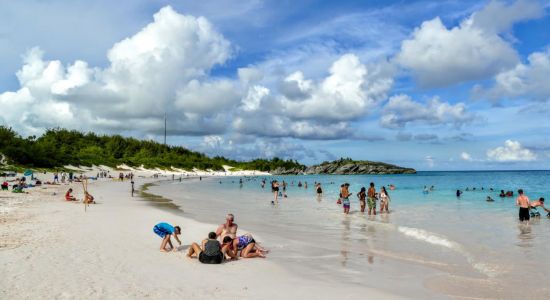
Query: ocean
{"type": "Point", "coordinates": [433, 245]}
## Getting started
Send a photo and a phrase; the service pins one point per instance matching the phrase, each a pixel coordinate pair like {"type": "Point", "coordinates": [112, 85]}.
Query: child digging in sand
{"type": "Point", "coordinates": [165, 231]}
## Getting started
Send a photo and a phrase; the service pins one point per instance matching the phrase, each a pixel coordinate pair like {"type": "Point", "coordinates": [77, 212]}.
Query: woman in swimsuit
{"type": "Point", "coordinates": [248, 246]}
{"type": "Point", "coordinates": [275, 190]}
{"type": "Point", "coordinates": [362, 195]}
{"type": "Point", "coordinates": [384, 200]}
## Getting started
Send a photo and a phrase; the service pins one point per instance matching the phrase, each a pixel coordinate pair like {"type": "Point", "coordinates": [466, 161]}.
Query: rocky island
{"type": "Point", "coordinates": [346, 167]}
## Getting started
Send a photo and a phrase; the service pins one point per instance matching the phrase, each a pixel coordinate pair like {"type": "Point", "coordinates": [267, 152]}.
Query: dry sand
{"type": "Point", "coordinates": [53, 249]}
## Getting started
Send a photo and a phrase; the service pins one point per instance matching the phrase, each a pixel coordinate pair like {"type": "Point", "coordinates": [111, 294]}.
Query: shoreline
{"type": "Point", "coordinates": [110, 251]}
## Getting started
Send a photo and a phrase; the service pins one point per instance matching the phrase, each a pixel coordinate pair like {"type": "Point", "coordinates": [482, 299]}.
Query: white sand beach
{"type": "Point", "coordinates": [53, 249]}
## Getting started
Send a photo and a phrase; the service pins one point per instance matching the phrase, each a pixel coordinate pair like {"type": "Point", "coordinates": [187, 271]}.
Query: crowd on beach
{"type": "Point", "coordinates": [219, 246]}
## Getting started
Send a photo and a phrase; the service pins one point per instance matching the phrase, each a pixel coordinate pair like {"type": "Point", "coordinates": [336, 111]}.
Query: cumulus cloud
{"type": "Point", "coordinates": [465, 156]}
{"type": "Point", "coordinates": [304, 108]}
{"type": "Point", "coordinates": [512, 151]}
{"type": "Point", "coordinates": [402, 110]}
{"type": "Point", "coordinates": [346, 93]}
{"type": "Point", "coordinates": [475, 49]}
{"type": "Point", "coordinates": [161, 69]}
{"type": "Point", "coordinates": [529, 80]}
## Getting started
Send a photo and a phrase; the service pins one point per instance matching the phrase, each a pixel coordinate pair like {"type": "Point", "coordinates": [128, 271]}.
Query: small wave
{"type": "Point", "coordinates": [429, 237]}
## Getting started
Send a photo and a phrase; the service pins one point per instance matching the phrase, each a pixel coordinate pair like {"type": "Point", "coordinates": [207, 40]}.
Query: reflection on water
{"type": "Point", "coordinates": [525, 236]}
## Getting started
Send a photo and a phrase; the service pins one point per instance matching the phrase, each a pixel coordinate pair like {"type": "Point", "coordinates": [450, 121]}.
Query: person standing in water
{"type": "Point", "coordinates": [371, 201]}
{"type": "Point", "coordinates": [345, 198]}
{"type": "Point", "coordinates": [275, 191]}
{"type": "Point", "coordinates": [523, 202]}
{"type": "Point", "coordinates": [362, 195]}
{"type": "Point", "coordinates": [384, 200]}
{"type": "Point", "coordinates": [132, 182]}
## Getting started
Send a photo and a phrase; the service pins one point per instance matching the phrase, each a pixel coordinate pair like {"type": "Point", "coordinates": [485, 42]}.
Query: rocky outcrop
{"type": "Point", "coordinates": [347, 167]}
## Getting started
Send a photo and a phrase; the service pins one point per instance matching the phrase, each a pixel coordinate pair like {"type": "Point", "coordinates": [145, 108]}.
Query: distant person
{"type": "Point", "coordinates": [362, 195]}
{"type": "Point", "coordinates": [299, 184]}
{"type": "Point", "coordinates": [284, 189]}
{"type": "Point", "coordinates": [523, 202]}
{"type": "Point", "coordinates": [165, 231]}
{"type": "Point", "coordinates": [458, 193]}
{"type": "Point", "coordinates": [275, 191]}
{"type": "Point", "coordinates": [88, 198]}
{"type": "Point", "coordinates": [489, 199]}
{"type": "Point", "coordinates": [5, 186]}
{"type": "Point", "coordinates": [371, 199]}
{"type": "Point", "coordinates": [425, 190]}
{"type": "Point", "coordinates": [345, 198]}
{"type": "Point", "coordinates": [55, 177]}
{"type": "Point", "coordinates": [319, 189]}
{"type": "Point", "coordinates": [132, 183]}
{"type": "Point", "coordinates": [69, 195]}
{"type": "Point", "coordinates": [384, 200]}
{"type": "Point", "coordinates": [502, 194]}
{"type": "Point", "coordinates": [228, 228]}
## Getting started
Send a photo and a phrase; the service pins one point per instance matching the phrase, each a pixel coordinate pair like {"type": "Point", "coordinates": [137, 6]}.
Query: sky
{"type": "Point", "coordinates": [433, 85]}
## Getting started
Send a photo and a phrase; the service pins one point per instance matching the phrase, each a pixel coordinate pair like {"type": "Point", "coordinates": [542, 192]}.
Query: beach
{"type": "Point", "coordinates": [55, 249]}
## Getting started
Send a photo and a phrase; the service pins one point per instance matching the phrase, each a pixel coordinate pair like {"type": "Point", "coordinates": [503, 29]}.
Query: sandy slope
{"type": "Point", "coordinates": [54, 250]}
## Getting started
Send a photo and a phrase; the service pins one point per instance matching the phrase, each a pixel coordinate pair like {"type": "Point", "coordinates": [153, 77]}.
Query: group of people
{"type": "Point", "coordinates": [88, 198]}
{"type": "Point", "coordinates": [527, 208]}
{"type": "Point", "coordinates": [220, 245]}
{"type": "Point", "coordinates": [367, 198]}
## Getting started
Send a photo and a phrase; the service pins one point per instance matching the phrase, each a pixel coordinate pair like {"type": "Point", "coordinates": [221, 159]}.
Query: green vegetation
{"type": "Point", "coordinates": [59, 147]}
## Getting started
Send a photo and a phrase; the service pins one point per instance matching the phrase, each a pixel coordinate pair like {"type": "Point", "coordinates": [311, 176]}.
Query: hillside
{"type": "Point", "coordinates": [348, 167]}
{"type": "Point", "coordinates": [60, 147]}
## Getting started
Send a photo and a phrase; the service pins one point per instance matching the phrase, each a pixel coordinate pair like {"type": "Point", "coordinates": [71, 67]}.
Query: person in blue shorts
{"type": "Point", "coordinates": [165, 231]}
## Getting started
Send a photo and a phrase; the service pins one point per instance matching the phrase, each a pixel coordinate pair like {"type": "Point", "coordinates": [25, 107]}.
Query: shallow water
{"type": "Point", "coordinates": [429, 246]}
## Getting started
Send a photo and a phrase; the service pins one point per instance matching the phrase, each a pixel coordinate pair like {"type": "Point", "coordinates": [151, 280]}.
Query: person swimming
{"type": "Point", "coordinates": [489, 199]}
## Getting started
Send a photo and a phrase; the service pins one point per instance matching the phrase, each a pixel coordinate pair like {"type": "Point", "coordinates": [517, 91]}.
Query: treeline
{"type": "Point", "coordinates": [59, 147]}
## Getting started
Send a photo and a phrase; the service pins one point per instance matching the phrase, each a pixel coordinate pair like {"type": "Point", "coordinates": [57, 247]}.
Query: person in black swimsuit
{"type": "Point", "coordinates": [211, 251]}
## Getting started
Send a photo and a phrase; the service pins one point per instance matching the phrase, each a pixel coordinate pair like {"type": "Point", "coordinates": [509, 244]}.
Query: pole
{"type": "Point", "coordinates": [165, 129]}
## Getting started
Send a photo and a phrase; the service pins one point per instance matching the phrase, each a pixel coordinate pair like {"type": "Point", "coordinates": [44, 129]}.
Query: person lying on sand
{"type": "Point", "coordinates": [211, 251]}
{"type": "Point", "coordinates": [165, 231]}
{"type": "Point", "coordinates": [248, 246]}
{"type": "Point", "coordinates": [228, 228]}
{"type": "Point", "coordinates": [69, 196]}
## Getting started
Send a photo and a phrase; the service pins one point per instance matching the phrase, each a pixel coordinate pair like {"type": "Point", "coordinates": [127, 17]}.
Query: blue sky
{"type": "Point", "coordinates": [434, 85]}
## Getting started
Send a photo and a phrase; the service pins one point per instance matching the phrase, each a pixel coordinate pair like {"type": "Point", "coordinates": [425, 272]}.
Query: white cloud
{"type": "Point", "coordinates": [465, 156]}
{"type": "Point", "coordinates": [162, 68]}
{"type": "Point", "coordinates": [430, 161]}
{"type": "Point", "coordinates": [528, 80]}
{"type": "Point", "coordinates": [350, 90]}
{"type": "Point", "coordinates": [402, 110]}
{"type": "Point", "coordinates": [511, 151]}
{"type": "Point", "coordinates": [438, 56]}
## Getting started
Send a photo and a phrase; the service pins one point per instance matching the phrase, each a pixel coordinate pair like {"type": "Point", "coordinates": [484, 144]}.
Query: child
{"type": "Point", "coordinates": [165, 231]}
{"type": "Point", "coordinates": [69, 196]}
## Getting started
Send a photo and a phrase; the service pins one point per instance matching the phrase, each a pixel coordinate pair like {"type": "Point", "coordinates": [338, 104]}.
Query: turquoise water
{"type": "Point", "coordinates": [433, 245]}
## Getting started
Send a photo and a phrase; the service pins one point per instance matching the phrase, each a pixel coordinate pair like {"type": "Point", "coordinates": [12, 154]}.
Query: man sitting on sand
{"type": "Point", "coordinates": [228, 228]}
{"type": "Point", "coordinates": [211, 251]}
{"type": "Point", "coordinates": [69, 196]}
{"type": "Point", "coordinates": [165, 231]}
